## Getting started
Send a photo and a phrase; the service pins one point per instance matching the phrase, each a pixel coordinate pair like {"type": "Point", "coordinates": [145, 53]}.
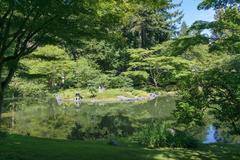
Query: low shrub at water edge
{"type": "Point", "coordinates": [3, 133]}
{"type": "Point", "coordinates": [161, 134]}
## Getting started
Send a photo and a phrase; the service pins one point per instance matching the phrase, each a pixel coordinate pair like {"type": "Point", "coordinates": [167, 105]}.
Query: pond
{"type": "Point", "coordinates": [49, 119]}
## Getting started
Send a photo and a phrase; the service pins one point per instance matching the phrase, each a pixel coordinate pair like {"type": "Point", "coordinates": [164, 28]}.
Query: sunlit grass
{"type": "Point", "coordinates": [109, 94]}
{"type": "Point", "coordinates": [28, 148]}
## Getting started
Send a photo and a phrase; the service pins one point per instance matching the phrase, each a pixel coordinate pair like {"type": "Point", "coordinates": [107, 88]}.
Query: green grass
{"type": "Point", "coordinates": [109, 94]}
{"type": "Point", "coordinates": [16, 147]}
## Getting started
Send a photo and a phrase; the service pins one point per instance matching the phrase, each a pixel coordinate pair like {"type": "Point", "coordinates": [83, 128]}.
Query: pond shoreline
{"type": "Point", "coordinates": [118, 99]}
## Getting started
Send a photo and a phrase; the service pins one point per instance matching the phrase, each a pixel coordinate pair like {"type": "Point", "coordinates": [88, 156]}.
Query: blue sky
{"type": "Point", "coordinates": [191, 13]}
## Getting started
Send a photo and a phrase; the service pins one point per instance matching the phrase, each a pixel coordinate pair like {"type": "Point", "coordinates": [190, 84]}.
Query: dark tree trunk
{"type": "Point", "coordinates": [4, 82]}
{"type": "Point", "coordinates": [140, 39]}
{"type": "Point", "coordinates": [1, 103]}
{"type": "Point", "coordinates": [155, 82]}
{"type": "Point", "coordinates": [143, 37]}
{"type": "Point", "coordinates": [236, 129]}
{"type": "Point", "coordinates": [1, 94]}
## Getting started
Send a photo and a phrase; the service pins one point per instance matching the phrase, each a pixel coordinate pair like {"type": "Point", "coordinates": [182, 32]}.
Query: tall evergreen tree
{"type": "Point", "coordinates": [183, 29]}
{"type": "Point", "coordinates": [149, 25]}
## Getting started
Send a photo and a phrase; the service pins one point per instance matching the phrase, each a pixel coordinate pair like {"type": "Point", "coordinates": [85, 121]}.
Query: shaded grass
{"type": "Point", "coordinates": [28, 148]}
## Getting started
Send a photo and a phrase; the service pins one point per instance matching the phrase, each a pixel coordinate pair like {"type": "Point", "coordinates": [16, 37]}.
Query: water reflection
{"type": "Point", "coordinates": [211, 135]}
{"type": "Point", "coordinates": [52, 119]}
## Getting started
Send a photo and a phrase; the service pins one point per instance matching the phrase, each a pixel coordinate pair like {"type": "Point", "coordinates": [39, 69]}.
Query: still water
{"type": "Point", "coordinates": [211, 135]}
{"type": "Point", "coordinates": [50, 119]}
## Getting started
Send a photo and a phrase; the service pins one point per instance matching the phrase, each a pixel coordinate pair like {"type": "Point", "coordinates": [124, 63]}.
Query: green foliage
{"type": "Point", "coordinates": [183, 29]}
{"type": "Point", "coordinates": [186, 113]}
{"type": "Point", "coordinates": [161, 134]}
{"type": "Point", "coordinates": [166, 70]}
{"type": "Point", "coordinates": [49, 53]}
{"type": "Point", "coordinates": [120, 82]}
{"type": "Point", "coordinates": [214, 89]}
{"type": "Point", "coordinates": [217, 4]}
{"type": "Point", "coordinates": [139, 78]}
{"type": "Point", "coordinates": [27, 88]}
{"type": "Point", "coordinates": [3, 134]}
{"type": "Point", "coordinates": [28, 24]}
{"type": "Point", "coordinates": [225, 29]}
{"type": "Point", "coordinates": [180, 46]}
{"type": "Point", "coordinates": [97, 35]}
{"type": "Point", "coordinates": [105, 55]}
{"type": "Point", "coordinates": [81, 73]}
{"type": "Point", "coordinates": [149, 23]}
{"type": "Point", "coordinates": [50, 69]}
{"type": "Point", "coordinates": [217, 90]}
{"type": "Point", "coordinates": [92, 90]}
{"type": "Point", "coordinates": [159, 66]}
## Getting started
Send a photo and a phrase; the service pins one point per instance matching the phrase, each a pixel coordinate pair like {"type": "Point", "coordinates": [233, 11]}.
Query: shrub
{"type": "Point", "coordinates": [139, 78]}
{"type": "Point", "coordinates": [92, 90]}
{"type": "Point", "coordinates": [3, 133]}
{"type": "Point", "coordinates": [26, 88]}
{"type": "Point", "coordinates": [120, 82]}
{"type": "Point", "coordinates": [161, 134]}
{"type": "Point", "coordinates": [139, 93]}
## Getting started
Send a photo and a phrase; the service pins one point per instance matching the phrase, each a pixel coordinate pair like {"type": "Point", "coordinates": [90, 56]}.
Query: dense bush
{"type": "Point", "coordinates": [25, 88]}
{"type": "Point", "coordinates": [81, 73]}
{"type": "Point", "coordinates": [105, 55]}
{"type": "Point", "coordinates": [49, 69]}
{"type": "Point", "coordinates": [139, 78]}
{"type": "Point", "coordinates": [161, 134]}
{"type": "Point", "coordinates": [3, 133]}
{"type": "Point", "coordinates": [120, 82]}
{"type": "Point", "coordinates": [215, 90]}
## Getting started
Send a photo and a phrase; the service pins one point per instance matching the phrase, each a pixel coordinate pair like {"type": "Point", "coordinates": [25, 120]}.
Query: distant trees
{"type": "Point", "coordinates": [166, 64]}
{"type": "Point", "coordinates": [106, 55]}
{"type": "Point", "coordinates": [49, 69]}
{"type": "Point", "coordinates": [150, 24]}
{"type": "Point", "coordinates": [183, 29]}
{"type": "Point", "coordinates": [141, 24]}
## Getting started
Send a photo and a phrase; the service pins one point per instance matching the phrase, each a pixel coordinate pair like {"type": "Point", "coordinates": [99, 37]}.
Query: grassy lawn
{"type": "Point", "coordinates": [109, 94]}
{"type": "Point", "coordinates": [27, 148]}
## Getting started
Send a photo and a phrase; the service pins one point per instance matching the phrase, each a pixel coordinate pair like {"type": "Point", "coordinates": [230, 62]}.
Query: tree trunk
{"type": "Point", "coordinates": [236, 129]}
{"type": "Point", "coordinates": [1, 103]}
{"type": "Point", "coordinates": [13, 116]}
{"type": "Point", "coordinates": [155, 82]}
{"type": "Point", "coordinates": [143, 32]}
{"type": "Point", "coordinates": [140, 38]}
{"type": "Point", "coordinates": [153, 77]}
{"type": "Point", "coordinates": [1, 93]}
{"type": "Point", "coordinates": [4, 82]}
